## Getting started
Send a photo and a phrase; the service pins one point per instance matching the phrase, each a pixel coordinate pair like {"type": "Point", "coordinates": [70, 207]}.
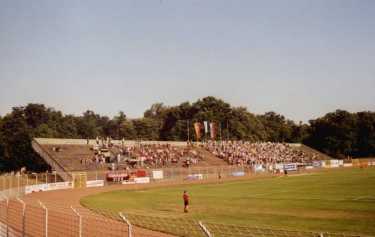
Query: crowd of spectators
{"type": "Point", "coordinates": [165, 155]}
{"type": "Point", "coordinates": [259, 153]}
{"type": "Point", "coordinates": [162, 155]}
{"type": "Point", "coordinates": [142, 155]}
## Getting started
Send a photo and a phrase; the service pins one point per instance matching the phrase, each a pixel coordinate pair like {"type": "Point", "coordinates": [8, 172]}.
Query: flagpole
{"type": "Point", "coordinates": [188, 130]}
{"type": "Point", "coordinates": [227, 130]}
{"type": "Point", "coordinates": [221, 138]}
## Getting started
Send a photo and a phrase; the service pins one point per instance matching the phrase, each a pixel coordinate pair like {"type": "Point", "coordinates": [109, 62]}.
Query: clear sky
{"type": "Point", "coordinates": [299, 58]}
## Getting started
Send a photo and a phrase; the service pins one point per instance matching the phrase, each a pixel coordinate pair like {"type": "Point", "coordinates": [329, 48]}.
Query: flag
{"type": "Point", "coordinates": [205, 127]}
{"type": "Point", "coordinates": [197, 128]}
{"type": "Point", "coordinates": [213, 130]}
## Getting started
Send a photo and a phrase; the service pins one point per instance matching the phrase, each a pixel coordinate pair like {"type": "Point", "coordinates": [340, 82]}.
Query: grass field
{"type": "Point", "coordinates": [335, 201]}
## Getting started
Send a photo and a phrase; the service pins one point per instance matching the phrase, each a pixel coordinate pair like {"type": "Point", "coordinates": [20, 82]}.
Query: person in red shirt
{"type": "Point", "coordinates": [186, 201]}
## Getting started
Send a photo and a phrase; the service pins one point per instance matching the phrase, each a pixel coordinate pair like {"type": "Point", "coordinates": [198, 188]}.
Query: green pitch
{"type": "Point", "coordinates": [333, 200]}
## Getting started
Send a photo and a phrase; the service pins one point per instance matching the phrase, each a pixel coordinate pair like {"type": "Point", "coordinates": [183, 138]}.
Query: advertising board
{"type": "Point", "coordinates": [59, 186]}
{"type": "Point", "coordinates": [259, 168]}
{"type": "Point", "coordinates": [317, 163]}
{"type": "Point", "coordinates": [157, 174]}
{"type": "Point", "coordinates": [36, 188]}
{"type": "Point", "coordinates": [238, 174]}
{"type": "Point", "coordinates": [117, 176]}
{"type": "Point", "coordinates": [127, 182]}
{"type": "Point", "coordinates": [142, 180]}
{"type": "Point", "coordinates": [194, 177]}
{"type": "Point", "coordinates": [94, 183]}
{"type": "Point", "coordinates": [326, 163]}
{"type": "Point", "coordinates": [334, 163]}
{"type": "Point", "coordinates": [290, 167]}
{"type": "Point", "coordinates": [279, 166]}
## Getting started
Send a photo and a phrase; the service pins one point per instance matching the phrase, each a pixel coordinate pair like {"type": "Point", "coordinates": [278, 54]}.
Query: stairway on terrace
{"type": "Point", "coordinates": [209, 159]}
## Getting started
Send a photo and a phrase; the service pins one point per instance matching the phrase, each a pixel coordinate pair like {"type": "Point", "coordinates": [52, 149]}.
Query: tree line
{"type": "Point", "coordinates": [339, 134]}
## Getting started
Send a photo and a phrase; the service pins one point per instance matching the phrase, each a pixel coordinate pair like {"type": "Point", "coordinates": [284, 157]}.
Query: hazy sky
{"type": "Point", "coordinates": [299, 58]}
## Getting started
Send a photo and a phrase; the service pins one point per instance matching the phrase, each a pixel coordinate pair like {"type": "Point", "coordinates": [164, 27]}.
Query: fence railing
{"type": "Point", "coordinates": [189, 227]}
{"type": "Point", "coordinates": [18, 218]}
{"type": "Point", "coordinates": [17, 183]}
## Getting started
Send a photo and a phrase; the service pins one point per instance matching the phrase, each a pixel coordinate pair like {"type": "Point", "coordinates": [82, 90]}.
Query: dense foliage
{"type": "Point", "coordinates": [339, 134]}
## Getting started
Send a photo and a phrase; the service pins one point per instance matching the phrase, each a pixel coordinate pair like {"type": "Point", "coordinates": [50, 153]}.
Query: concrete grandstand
{"type": "Point", "coordinates": [73, 155]}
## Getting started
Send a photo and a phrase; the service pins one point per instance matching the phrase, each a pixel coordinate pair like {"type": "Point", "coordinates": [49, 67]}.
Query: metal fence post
{"type": "Point", "coordinates": [46, 217]}
{"type": "Point", "coordinates": [23, 215]}
{"type": "Point", "coordinates": [7, 213]}
{"type": "Point", "coordinates": [18, 185]}
{"type": "Point", "coordinates": [79, 223]}
{"type": "Point", "coordinates": [10, 185]}
{"type": "Point", "coordinates": [205, 230]}
{"type": "Point", "coordinates": [130, 228]}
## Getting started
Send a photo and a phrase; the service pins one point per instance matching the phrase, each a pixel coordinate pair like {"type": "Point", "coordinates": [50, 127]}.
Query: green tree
{"type": "Point", "coordinates": [245, 126]}
{"type": "Point", "coordinates": [365, 144]}
{"type": "Point", "coordinates": [88, 126]}
{"type": "Point", "coordinates": [146, 128]}
{"type": "Point", "coordinates": [277, 127]}
{"type": "Point", "coordinates": [36, 114]}
{"type": "Point", "coordinates": [2, 160]}
{"type": "Point", "coordinates": [127, 130]}
{"type": "Point", "coordinates": [334, 134]}
{"type": "Point", "coordinates": [17, 146]}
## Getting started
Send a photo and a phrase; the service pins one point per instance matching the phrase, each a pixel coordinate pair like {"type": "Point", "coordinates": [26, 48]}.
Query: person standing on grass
{"type": "Point", "coordinates": [186, 201]}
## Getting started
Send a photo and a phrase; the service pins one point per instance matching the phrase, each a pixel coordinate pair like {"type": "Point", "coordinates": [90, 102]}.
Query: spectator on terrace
{"type": "Point", "coordinates": [245, 153]}
{"type": "Point", "coordinates": [157, 155]}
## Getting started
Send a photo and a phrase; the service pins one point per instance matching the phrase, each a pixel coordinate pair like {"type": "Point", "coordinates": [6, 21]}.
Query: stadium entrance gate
{"type": "Point", "coordinates": [79, 179]}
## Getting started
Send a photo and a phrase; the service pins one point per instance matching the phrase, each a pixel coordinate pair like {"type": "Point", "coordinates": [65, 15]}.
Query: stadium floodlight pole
{"type": "Point", "coordinates": [227, 130]}
{"type": "Point", "coordinates": [188, 129]}
{"type": "Point", "coordinates": [221, 138]}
